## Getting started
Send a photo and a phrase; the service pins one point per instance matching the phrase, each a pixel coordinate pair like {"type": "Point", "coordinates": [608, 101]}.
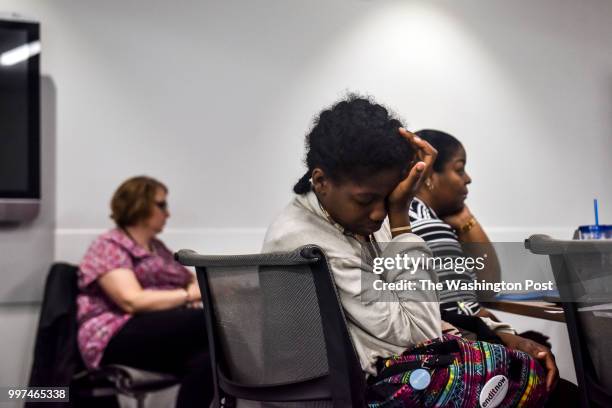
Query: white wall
{"type": "Point", "coordinates": [214, 98]}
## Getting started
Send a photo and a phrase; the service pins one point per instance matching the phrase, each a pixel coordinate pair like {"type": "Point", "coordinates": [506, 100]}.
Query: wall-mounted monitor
{"type": "Point", "coordinates": [19, 120]}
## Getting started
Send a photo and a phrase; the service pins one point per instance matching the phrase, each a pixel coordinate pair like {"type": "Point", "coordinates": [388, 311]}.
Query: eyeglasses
{"type": "Point", "coordinates": [162, 205]}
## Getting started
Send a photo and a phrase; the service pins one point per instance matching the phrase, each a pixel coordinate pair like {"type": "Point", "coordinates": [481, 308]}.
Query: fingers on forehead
{"type": "Point", "coordinates": [406, 133]}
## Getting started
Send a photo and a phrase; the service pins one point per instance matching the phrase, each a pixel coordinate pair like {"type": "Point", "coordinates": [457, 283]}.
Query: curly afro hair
{"type": "Point", "coordinates": [354, 138]}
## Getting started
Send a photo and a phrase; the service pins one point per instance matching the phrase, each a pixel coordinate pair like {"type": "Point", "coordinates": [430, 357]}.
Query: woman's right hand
{"type": "Point", "coordinates": [400, 198]}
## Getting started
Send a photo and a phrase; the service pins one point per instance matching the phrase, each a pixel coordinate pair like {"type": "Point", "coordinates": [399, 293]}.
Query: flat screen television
{"type": "Point", "coordinates": [19, 120]}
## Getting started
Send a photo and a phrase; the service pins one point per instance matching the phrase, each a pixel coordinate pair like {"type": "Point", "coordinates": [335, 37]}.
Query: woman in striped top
{"type": "Point", "coordinates": [439, 215]}
{"type": "Point", "coordinates": [442, 239]}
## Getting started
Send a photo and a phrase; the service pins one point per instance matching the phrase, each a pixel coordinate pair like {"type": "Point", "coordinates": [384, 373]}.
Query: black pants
{"type": "Point", "coordinates": [170, 341]}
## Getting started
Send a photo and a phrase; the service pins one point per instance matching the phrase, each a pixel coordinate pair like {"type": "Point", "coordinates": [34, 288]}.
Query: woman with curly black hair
{"type": "Point", "coordinates": [362, 176]}
{"type": "Point", "coordinates": [364, 170]}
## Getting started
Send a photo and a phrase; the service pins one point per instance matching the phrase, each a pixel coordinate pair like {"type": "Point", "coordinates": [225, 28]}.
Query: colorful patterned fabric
{"type": "Point", "coordinates": [459, 383]}
{"type": "Point", "coordinates": [99, 318]}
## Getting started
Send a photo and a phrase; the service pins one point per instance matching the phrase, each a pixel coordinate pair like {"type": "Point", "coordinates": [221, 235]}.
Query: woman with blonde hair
{"type": "Point", "coordinates": [136, 303]}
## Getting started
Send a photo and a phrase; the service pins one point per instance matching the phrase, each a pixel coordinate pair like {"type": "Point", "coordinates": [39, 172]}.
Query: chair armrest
{"type": "Point", "coordinates": [304, 255]}
{"type": "Point", "coordinates": [128, 380]}
{"type": "Point", "coordinates": [545, 245]}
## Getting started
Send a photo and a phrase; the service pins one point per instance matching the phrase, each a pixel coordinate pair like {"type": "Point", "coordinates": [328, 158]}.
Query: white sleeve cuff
{"type": "Point", "coordinates": [498, 327]}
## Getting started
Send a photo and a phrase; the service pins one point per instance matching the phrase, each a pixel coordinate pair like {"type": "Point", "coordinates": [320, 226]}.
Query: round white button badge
{"type": "Point", "coordinates": [419, 379]}
{"type": "Point", "coordinates": [494, 391]}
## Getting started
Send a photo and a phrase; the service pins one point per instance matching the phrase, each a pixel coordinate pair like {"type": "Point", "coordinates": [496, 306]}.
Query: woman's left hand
{"type": "Point", "coordinates": [193, 291]}
{"type": "Point", "coordinates": [537, 351]}
{"type": "Point", "coordinates": [401, 197]}
{"type": "Point", "coordinates": [459, 219]}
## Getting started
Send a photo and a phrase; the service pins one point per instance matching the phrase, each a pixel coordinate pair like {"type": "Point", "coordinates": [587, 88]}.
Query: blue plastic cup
{"type": "Point", "coordinates": [595, 232]}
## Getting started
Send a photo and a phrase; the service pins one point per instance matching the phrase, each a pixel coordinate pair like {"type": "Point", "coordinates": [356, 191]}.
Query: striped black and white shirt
{"type": "Point", "coordinates": [443, 242]}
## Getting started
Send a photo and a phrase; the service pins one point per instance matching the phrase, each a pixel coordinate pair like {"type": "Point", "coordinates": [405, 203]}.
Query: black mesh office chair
{"type": "Point", "coordinates": [583, 275]}
{"type": "Point", "coordinates": [277, 331]}
{"type": "Point", "coordinates": [57, 361]}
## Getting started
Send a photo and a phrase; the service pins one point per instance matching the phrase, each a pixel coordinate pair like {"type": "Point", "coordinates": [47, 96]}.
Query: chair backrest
{"type": "Point", "coordinates": [56, 355]}
{"type": "Point", "coordinates": [277, 330]}
{"type": "Point", "coordinates": [583, 276]}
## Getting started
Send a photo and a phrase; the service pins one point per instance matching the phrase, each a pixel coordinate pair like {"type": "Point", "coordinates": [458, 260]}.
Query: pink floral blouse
{"type": "Point", "coordinates": [99, 318]}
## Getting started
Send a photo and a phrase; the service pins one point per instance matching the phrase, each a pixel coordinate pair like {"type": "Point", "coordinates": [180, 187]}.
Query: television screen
{"type": "Point", "coordinates": [19, 111]}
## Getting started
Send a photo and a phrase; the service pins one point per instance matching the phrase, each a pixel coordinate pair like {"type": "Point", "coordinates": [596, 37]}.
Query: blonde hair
{"type": "Point", "coordinates": [134, 199]}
